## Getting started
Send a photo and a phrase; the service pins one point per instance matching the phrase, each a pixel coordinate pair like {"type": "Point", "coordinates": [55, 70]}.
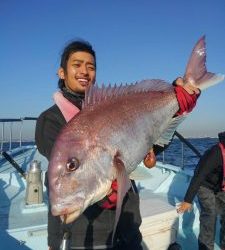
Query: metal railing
{"type": "Point", "coordinates": [187, 143]}
{"type": "Point", "coordinates": [183, 142]}
{"type": "Point", "coordinates": [182, 156]}
{"type": "Point", "coordinates": [7, 138]}
{"type": "Point", "coordinates": [7, 129]}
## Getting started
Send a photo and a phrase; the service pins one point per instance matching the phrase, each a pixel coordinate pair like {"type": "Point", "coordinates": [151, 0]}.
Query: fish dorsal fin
{"type": "Point", "coordinates": [68, 109]}
{"type": "Point", "coordinates": [96, 94]}
{"type": "Point", "coordinates": [124, 185]}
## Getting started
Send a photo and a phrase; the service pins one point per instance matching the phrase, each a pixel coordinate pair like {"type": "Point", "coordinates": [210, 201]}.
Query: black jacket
{"type": "Point", "coordinates": [94, 227]}
{"type": "Point", "coordinates": [208, 173]}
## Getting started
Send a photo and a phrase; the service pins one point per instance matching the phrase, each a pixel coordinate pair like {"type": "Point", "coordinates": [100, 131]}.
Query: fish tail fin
{"type": "Point", "coordinates": [196, 71]}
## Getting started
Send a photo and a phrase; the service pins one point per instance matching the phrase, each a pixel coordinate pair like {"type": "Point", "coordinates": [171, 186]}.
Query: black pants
{"type": "Point", "coordinates": [212, 205]}
{"type": "Point", "coordinates": [94, 227]}
{"type": "Point", "coordinates": [134, 244]}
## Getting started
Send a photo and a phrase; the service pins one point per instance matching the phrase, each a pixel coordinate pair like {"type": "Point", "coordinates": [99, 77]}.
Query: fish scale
{"type": "Point", "coordinates": [111, 135]}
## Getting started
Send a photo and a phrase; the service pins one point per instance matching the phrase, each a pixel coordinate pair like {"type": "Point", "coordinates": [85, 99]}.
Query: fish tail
{"type": "Point", "coordinates": [196, 71]}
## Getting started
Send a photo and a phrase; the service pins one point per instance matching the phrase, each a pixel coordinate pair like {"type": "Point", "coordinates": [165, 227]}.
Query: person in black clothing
{"type": "Point", "coordinates": [93, 229]}
{"type": "Point", "coordinates": [207, 184]}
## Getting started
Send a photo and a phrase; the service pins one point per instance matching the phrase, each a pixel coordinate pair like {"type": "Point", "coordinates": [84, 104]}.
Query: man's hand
{"type": "Point", "coordinates": [187, 95]}
{"type": "Point", "coordinates": [189, 87]}
{"type": "Point", "coordinates": [150, 159]}
{"type": "Point", "coordinates": [184, 207]}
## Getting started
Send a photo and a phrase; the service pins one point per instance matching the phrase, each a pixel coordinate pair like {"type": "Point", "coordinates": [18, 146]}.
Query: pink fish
{"type": "Point", "coordinates": [112, 134]}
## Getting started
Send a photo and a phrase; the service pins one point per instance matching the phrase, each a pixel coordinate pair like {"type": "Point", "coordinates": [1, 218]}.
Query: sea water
{"type": "Point", "coordinates": [178, 153]}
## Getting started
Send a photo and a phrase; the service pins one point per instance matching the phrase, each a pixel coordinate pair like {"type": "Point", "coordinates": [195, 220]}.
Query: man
{"type": "Point", "coordinates": [208, 183]}
{"type": "Point", "coordinates": [93, 229]}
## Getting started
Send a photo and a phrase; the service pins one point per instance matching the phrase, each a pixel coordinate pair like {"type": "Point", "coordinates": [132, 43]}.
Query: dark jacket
{"type": "Point", "coordinates": [208, 173]}
{"type": "Point", "coordinates": [94, 227]}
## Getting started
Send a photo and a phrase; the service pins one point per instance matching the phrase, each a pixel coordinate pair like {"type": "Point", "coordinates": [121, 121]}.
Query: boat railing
{"type": "Point", "coordinates": [12, 131]}
{"type": "Point", "coordinates": [181, 152]}
{"type": "Point", "coordinates": [14, 134]}
{"type": "Point", "coordinates": [182, 162]}
{"type": "Point", "coordinates": [190, 146]}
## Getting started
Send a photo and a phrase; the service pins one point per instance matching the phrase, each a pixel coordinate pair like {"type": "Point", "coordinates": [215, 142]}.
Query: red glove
{"type": "Point", "coordinates": [111, 199]}
{"type": "Point", "coordinates": [185, 100]}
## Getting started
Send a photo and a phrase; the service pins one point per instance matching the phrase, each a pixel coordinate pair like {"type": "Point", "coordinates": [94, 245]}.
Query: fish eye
{"type": "Point", "coordinates": [72, 164]}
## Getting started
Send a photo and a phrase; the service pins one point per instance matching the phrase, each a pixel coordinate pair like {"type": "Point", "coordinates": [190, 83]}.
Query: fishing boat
{"type": "Point", "coordinates": [24, 203]}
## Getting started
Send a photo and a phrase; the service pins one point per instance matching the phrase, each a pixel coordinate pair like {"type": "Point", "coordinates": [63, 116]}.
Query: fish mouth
{"type": "Point", "coordinates": [66, 211]}
{"type": "Point", "coordinates": [67, 215]}
{"type": "Point", "coordinates": [70, 217]}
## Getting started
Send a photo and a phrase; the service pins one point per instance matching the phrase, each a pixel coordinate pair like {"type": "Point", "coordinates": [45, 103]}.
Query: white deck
{"type": "Point", "coordinates": [23, 227]}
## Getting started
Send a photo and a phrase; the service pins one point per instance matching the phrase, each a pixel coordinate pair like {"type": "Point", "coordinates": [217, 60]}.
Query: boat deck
{"type": "Point", "coordinates": [25, 227]}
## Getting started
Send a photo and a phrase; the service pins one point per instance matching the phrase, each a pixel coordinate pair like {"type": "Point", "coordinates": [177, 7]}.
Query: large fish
{"type": "Point", "coordinates": [112, 134]}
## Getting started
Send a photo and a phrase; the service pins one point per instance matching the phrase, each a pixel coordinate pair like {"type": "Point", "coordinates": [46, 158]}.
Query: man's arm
{"type": "Point", "coordinates": [187, 96]}
{"type": "Point", "coordinates": [206, 165]}
{"type": "Point", "coordinates": [48, 127]}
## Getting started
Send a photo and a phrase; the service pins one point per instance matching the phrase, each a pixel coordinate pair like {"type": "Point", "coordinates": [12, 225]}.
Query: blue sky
{"type": "Point", "coordinates": [134, 40]}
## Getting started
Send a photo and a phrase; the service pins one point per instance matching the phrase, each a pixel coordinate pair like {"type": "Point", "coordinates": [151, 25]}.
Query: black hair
{"type": "Point", "coordinates": [74, 46]}
{"type": "Point", "coordinates": [221, 137]}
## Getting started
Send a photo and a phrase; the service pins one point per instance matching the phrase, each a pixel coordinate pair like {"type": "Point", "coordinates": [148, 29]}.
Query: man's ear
{"type": "Point", "coordinates": [61, 73]}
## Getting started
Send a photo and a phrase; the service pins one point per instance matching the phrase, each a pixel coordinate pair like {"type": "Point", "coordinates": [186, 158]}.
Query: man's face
{"type": "Point", "coordinates": [80, 71]}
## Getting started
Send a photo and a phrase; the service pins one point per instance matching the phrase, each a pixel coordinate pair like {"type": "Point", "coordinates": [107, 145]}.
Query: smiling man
{"type": "Point", "coordinates": [79, 72]}
{"type": "Point", "coordinates": [93, 229]}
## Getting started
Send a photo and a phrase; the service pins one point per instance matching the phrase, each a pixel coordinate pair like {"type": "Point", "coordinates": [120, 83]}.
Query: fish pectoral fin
{"type": "Point", "coordinates": [118, 163]}
{"type": "Point", "coordinates": [124, 185]}
{"type": "Point", "coordinates": [122, 177]}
